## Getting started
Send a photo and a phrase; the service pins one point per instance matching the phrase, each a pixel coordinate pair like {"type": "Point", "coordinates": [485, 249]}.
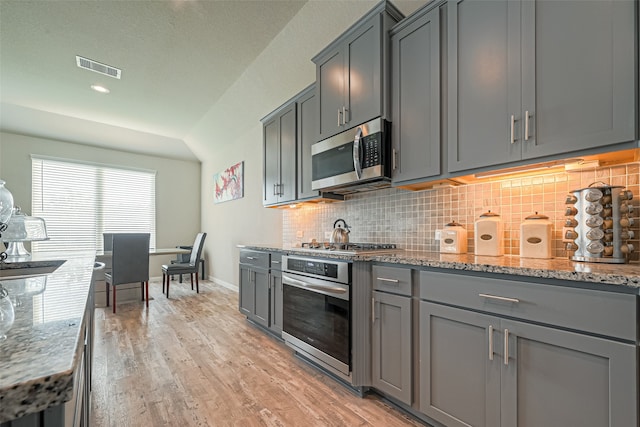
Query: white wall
{"type": "Point", "coordinates": [177, 183]}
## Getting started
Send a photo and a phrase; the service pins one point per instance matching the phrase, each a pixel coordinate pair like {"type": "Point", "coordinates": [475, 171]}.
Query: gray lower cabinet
{"type": "Point", "coordinates": [529, 79]}
{"type": "Point", "coordinates": [279, 148]}
{"type": "Point", "coordinates": [481, 368]}
{"type": "Point", "coordinates": [352, 74]}
{"type": "Point", "coordinates": [254, 286]}
{"type": "Point", "coordinates": [392, 332]}
{"type": "Point", "coordinates": [275, 289]}
{"type": "Point", "coordinates": [415, 100]}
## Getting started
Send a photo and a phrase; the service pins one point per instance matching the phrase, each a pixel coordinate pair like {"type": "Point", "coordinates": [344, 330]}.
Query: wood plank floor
{"type": "Point", "coordinates": [194, 360]}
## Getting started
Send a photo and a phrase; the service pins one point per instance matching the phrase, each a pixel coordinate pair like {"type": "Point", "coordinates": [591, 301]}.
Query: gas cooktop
{"type": "Point", "coordinates": [349, 248]}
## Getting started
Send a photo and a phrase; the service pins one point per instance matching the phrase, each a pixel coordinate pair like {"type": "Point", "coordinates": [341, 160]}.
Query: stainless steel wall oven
{"type": "Point", "coordinates": [317, 311]}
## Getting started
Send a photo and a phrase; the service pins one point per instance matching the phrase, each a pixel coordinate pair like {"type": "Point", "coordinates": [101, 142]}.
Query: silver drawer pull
{"type": "Point", "coordinates": [275, 262]}
{"type": "Point", "coordinates": [382, 279]}
{"type": "Point", "coordinates": [250, 257]}
{"type": "Point", "coordinates": [499, 298]}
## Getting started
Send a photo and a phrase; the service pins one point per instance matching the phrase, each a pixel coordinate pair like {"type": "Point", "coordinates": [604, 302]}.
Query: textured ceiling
{"type": "Point", "coordinates": [177, 58]}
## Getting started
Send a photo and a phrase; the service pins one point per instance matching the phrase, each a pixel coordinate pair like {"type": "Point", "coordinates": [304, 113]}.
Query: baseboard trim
{"type": "Point", "coordinates": [224, 284]}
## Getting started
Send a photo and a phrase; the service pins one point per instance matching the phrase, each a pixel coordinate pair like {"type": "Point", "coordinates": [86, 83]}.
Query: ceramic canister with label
{"type": "Point", "coordinates": [453, 239]}
{"type": "Point", "coordinates": [489, 235]}
{"type": "Point", "coordinates": [535, 236]}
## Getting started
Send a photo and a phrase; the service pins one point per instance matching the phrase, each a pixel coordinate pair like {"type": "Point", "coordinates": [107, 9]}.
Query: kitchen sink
{"type": "Point", "coordinates": [28, 268]}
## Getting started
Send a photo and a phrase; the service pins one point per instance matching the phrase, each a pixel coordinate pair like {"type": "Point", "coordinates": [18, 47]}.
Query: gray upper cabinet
{"type": "Point", "coordinates": [538, 78]}
{"type": "Point", "coordinates": [351, 73]}
{"type": "Point", "coordinates": [279, 143]}
{"type": "Point", "coordinates": [307, 135]}
{"type": "Point", "coordinates": [415, 100]}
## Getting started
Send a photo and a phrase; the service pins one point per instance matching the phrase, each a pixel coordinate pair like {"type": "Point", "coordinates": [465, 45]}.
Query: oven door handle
{"type": "Point", "coordinates": [321, 289]}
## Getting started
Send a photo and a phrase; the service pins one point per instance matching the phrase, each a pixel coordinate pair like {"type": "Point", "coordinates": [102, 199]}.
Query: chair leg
{"type": "Point", "coordinates": [114, 299]}
{"type": "Point", "coordinates": [191, 278]}
{"type": "Point", "coordinates": [197, 284]}
{"type": "Point", "coordinates": [141, 291]}
{"type": "Point", "coordinates": [168, 282]}
{"type": "Point", "coordinates": [163, 276]}
{"type": "Point", "coordinates": [107, 292]}
{"type": "Point", "coordinates": [147, 286]}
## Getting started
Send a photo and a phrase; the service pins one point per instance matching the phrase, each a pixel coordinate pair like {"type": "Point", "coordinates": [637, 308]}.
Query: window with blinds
{"type": "Point", "coordinates": [80, 201]}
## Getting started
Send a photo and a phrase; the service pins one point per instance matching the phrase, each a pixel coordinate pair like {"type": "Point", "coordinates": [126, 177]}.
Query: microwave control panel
{"type": "Point", "coordinates": [372, 150]}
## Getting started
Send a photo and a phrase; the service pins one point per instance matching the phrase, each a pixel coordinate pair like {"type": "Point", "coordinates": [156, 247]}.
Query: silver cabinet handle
{"type": "Point", "coordinates": [275, 262]}
{"type": "Point", "coordinates": [506, 347]}
{"type": "Point", "coordinates": [526, 125]}
{"type": "Point", "coordinates": [394, 159]}
{"type": "Point", "coordinates": [382, 279]}
{"type": "Point", "coordinates": [513, 121]}
{"type": "Point", "coordinates": [274, 189]}
{"type": "Point", "coordinates": [344, 115]}
{"type": "Point", "coordinates": [373, 310]}
{"type": "Point", "coordinates": [499, 298]}
{"type": "Point", "coordinates": [250, 257]}
{"type": "Point", "coordinates": [280, 191]}
{"type": "Point", "coordinates": [339, 118]}
{"type": "Point", "coordinates": [490, 342]}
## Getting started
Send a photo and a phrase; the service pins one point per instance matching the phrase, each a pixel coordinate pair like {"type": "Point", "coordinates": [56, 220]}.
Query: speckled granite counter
{"type": "Point", "coordinates": [41, 352]}
{"type": "Point", "coordinates": [627, 275]}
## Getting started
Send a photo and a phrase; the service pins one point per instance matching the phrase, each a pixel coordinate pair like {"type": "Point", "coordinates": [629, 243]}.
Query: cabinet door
{"type": "Point", "coordinates": [416, 99]}
{"type": "Point", "coordinates": [276, 302]}
{"type": "Point", "coordinates": [392, 347]}
{"type": "Point", "coordinates": [330, 78]}
{"type": "Point", "coordinates": [559, 378]}
{"type": "Point", "coordinates": [578, 75]}
{"type": "Point", "coordinates": [484, 83]}
{"type": "Point", "coordinates": [363, 72]}
{"type": "Point", "coordinates": [246, 294]}
{"type": "Point", "coordinates": [459, 381]}
{"type": "Point", "coordinates": [288, 151]}
{"type": "Point", "coordinates": [271, 152]}
{"type": "Point", "coordinates": [307, 136]}
{"type": "Point", "coordinates": [261, 287]}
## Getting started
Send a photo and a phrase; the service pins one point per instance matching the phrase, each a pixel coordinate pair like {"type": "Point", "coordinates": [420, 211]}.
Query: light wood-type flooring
{"type": "Point", "coordinates": [194, 360]}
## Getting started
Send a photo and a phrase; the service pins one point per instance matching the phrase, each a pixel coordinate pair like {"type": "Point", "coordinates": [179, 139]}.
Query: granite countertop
{"type": "Point", "coordinates": [42, 348]}
{"type": "Point", "coordinates": [626, 275]}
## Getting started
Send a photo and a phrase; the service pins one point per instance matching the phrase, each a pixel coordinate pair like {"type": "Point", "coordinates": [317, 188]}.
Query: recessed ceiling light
{"type": "Point", "coordinates": [100, 89]}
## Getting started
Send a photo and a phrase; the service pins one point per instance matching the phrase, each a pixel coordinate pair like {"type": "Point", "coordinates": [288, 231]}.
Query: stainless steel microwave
{"type": "Point", "coordinates": [353, 160]}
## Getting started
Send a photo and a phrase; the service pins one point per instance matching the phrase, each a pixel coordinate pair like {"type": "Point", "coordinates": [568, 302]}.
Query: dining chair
{"type": "Point", "coordinates": [183, 268]}
{"type": "Point", "coordinates": [129, 263]}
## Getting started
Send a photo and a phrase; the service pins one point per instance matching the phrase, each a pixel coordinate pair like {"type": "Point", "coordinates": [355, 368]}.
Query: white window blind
{"type": "Point", "coordinates": [81, 201]}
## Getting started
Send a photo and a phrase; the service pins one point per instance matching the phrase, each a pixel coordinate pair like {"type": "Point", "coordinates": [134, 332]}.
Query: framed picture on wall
{"type": "Point", "coordinates": [229, 184]}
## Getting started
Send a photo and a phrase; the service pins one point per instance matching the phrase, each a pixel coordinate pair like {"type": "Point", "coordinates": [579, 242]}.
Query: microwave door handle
{"type": "Point", "coordinates": [356, 154]}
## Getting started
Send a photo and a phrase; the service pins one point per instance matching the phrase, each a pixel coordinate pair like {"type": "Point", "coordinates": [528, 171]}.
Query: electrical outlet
{"type": "Point", "coordinates": [299, 233]}
{"type": "Point", "coordinates": [327, 235]}
{"type": "Point", "coordinates": [438, 235]}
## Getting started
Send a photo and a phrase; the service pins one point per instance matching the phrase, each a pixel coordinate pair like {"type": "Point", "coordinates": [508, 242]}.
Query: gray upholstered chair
{"type": "Point", "coordinates": [107, 242]}
{"type": "Point", "coordinates": [183, 268]}
{"type": "Point", "coordinates": [129, 263]}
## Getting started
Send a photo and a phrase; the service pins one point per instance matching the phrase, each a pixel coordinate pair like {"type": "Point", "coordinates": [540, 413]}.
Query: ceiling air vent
{"type": "Point", "coordinates": [98, 67]}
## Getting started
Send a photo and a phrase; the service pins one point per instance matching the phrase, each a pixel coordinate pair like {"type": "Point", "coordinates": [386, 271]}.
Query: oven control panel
{"type": "Point", "coordinates": [337, 271]}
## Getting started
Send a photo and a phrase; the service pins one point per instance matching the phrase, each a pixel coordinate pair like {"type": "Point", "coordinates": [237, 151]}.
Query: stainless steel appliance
{"type": "Point", "coordinates": [598, 223]}
{"type": "Point", "coordinates": [349, 248]}
{"type": "Point", "coordinates": [355, 160]}
{"type": "Point", "coordinates": [317, 311]}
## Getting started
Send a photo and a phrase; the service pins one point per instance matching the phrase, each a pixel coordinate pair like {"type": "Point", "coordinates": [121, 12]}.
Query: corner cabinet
{"type": "Point", "coordinates": [415, 100]}
{"type": "Point", "coordinates": [529, 79]}
{"type": "Point", "coordinates": [352, 73]}
{"type": "Point", "coordinates": [279, 148]}
{"type": "Point", "coordinates": [487, 361]}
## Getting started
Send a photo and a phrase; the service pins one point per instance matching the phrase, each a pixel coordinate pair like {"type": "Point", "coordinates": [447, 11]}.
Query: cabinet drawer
{"type": "Point", "coordinates": [254, 258]}
{"type": "Point", "coordinates": [392, 279]}
{"type": "Point", "coordinates": [276, 261]}
{"type": "Point", "coordinates": [598, 312]}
